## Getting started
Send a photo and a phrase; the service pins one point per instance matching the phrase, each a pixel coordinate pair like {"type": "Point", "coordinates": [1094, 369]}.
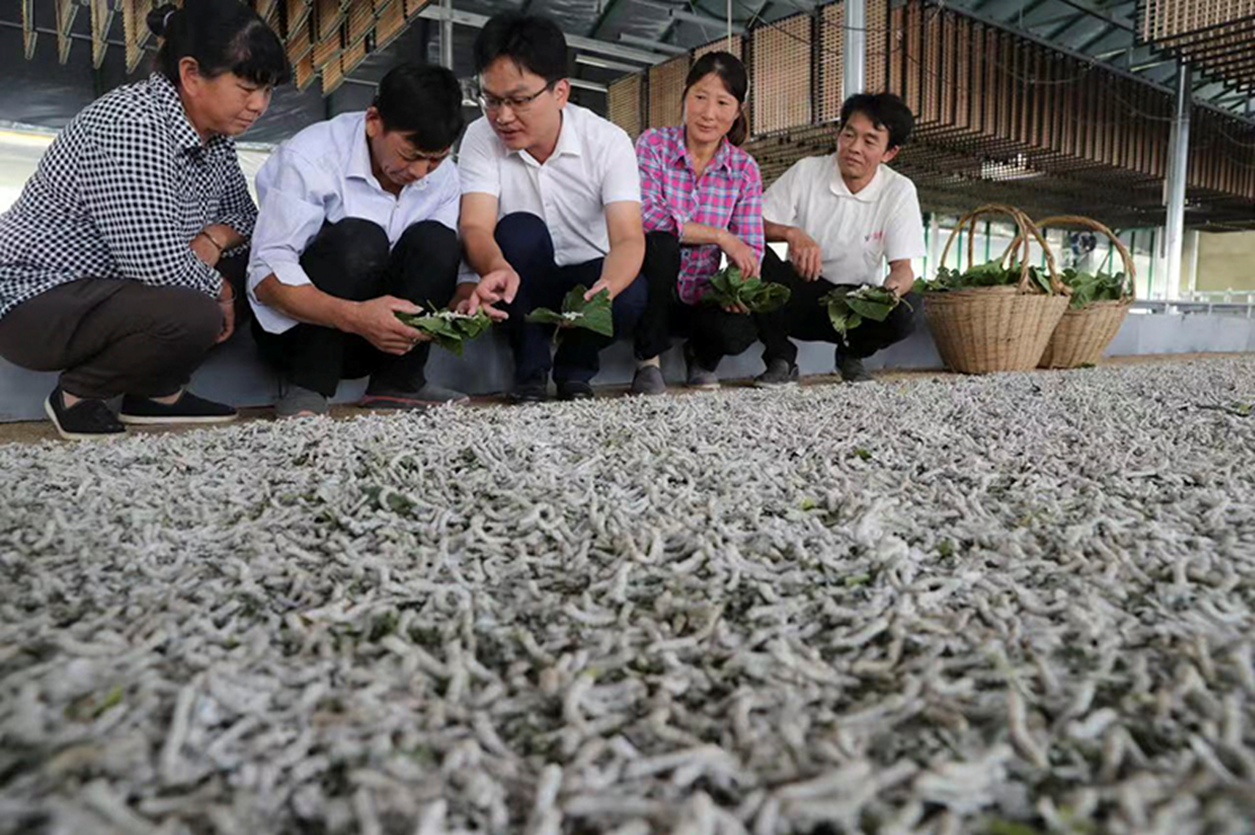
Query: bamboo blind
{"type": "Point", "coordinates": [666, 92]}
{"type": "Point", "coordinates": [29, 36]}
{"type": "Point", "coordinates": [831, 57]}
{"type": "Point", "coordinates": [781, 75]}
{"type": "Point", "coordinates": [624, 104]}
{"type": "Point", "coordinates": [1216, 35]}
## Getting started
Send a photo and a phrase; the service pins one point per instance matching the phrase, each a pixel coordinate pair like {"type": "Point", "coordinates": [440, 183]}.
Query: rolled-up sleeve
{"type": "Point", "coordinates": [292, 213]}
{"type": "Point", "coordinates": [657, 212]}
{"type": "Point", "coordinates": [237, 209]}
{"type": "Point", "coordinates": [138, 208]}
{"type": "Point", "coordinates": [747, 213]}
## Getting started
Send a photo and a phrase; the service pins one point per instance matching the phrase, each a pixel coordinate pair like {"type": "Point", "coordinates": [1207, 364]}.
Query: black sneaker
{"type": "Point", "coordinates": [852, 370]}
{"type": "Point", "coordinates": [189, 408]}
{"type": "Point", "coordinates": [574, 390]}
{"type": "Point", "coordinates": [86, 420]}
{"type": "Point", "coordinates": [531, 391]}
{"type": "Point", "coordinates": [778, 373]}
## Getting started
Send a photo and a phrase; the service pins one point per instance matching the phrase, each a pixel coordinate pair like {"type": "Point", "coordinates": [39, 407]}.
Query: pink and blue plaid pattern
{"type": "Point", "coordinates": [728, 196]}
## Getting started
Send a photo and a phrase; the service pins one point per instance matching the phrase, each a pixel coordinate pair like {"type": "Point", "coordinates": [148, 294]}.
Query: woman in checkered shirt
{"type": "Point", "coordinates": [701, 199]}
{"type": "Point", "coordinates": [112, 261]}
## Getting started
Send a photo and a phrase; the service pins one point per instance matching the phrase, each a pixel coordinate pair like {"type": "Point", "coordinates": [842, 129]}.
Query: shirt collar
{"type": "Point", "coordinates": [568, 139]}
{"type": "Point", "coordinates": [722, 158]}
{"type": "Point", "coordinates": [186, 139]}
{"type": "Point", "coordinates": [869, 194]}
{"type": "Point", "coordinates": [359, 153]}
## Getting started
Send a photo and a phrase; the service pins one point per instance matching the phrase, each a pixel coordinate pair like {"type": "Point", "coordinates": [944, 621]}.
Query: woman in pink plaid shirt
{"type": "Point", "coordinates": [701, 198]}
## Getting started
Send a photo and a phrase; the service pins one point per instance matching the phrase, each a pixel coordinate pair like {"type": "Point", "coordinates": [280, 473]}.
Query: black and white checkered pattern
{"type": "Point", "coordinates": [120, 194]}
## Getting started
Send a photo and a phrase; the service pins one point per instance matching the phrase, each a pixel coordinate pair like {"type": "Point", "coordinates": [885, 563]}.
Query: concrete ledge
{"type": "Point", "coordinates": [234, 374]}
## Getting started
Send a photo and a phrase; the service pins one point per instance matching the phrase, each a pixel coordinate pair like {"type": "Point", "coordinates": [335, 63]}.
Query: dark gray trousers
{"type": "Point", "coordinates": [109, 337]}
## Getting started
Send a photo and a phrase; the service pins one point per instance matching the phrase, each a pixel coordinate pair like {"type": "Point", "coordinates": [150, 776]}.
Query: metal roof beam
{"type": "Point", "coordinates": [1098, 13]}
{"type": "Point", "coordinates": [477, 21]}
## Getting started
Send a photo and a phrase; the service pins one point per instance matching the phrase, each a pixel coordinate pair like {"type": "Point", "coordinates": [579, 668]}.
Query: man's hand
{"type": "Point", "coordinates": [226, 303]}
{"type": "Point", "coordinates": [899, 282]}
{"type": "Point", "coordinates": [377, 323]}
{"type": "Point", "coordinates": [497, 286]}
{"type": "Point", "coordinates": [804, 254]}
{"type": "Point", "coordinates": [741, 254]}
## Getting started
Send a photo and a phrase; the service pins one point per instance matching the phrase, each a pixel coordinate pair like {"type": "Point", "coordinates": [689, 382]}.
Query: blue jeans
{"type": "Point", "coordinates": [526, 244]}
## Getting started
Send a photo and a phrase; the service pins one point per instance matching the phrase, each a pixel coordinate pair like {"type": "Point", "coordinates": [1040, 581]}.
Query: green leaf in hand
{"type": "Point", "coordinates": [729, 288]}
{"type": "Point", "coordinates": [447, 328]}
{"type": "Point", "coordinates": [875, 303]}
{"type": "Point", "coordinates": [595, 314]}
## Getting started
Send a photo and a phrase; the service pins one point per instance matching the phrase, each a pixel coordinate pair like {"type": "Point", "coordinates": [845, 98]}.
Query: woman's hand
{"type": "Point", "coordinates": [206, 248]}
{"type": "Point", "coordinates": [741, 254]}
{"type": "Point", "coordinates": [226, 303]}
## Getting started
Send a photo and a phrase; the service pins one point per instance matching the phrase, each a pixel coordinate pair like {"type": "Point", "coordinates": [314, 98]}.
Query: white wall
{"type": "Point", "coordinates": [20, 152]}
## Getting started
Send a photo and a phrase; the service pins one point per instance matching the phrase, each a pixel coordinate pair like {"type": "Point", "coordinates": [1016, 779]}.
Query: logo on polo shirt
{"type": "Point", "coordinates": [874, 237]}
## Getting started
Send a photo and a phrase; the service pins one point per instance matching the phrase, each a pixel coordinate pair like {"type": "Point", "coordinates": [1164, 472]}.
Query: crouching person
{"type": "Point", "coordinates": [701, 199]}
{"type": "Point", "coordinates": [357, 223]}
{"type": "Point", "coordinates": [551, 201]}
{"type": "Point", "coordinates": [842, 216]}
{"type": "Point", "coordinates": [112, 261]}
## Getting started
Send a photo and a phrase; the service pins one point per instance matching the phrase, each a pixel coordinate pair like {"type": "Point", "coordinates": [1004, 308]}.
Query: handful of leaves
{"type": "Point", "coordinates": [447, 328]}
{"type": "Point", "coordinates": [594, 315]}
{"type": "Point", "coordinates": [992, 274]}
{"type": "Point", "coordinates": [729, 287]}
{"type": "Point", "coordinates": [1092, 287]}
{"type": "Point", "coordinates": [848, 308]}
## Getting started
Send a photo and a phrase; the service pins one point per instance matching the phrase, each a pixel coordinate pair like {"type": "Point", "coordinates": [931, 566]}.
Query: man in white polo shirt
{"type": "Point", "coordinates": [843, 216]}
{"type": "Point", "coordinates": [551, 200]}
{"type": "Point", "coordinates": [358, 222]}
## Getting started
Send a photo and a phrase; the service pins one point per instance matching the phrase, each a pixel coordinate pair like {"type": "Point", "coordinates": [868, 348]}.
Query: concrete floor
{"type": "Point", "coordinates": [29, 432]}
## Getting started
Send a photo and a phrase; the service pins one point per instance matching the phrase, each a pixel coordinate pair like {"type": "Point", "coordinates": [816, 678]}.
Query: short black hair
{"type": "Point", "coordinates": [533, 42]}
{"type": "Point", "coordinates": [886, 111]}
{"type": "Point", "coordinates": [223, 36]}
{"type": "Point", "coordinates": [423, 101]}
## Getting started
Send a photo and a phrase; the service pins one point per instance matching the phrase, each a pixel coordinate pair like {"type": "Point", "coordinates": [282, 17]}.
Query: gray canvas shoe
{"type": "Point", "coordinates": [851, 369]}
{"type": "Point", "coordinates": [427, 397]}
{"type": "Point", "coordinates": [301, 402]}
{"type": "Point", "coordinates": [648, 381]}
{"type": "Point", "coordinates": [699, 377]}
{"type": "Point", "coordinates": [779, 373]}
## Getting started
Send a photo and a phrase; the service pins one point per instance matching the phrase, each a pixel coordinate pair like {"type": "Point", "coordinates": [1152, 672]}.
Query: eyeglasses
{"type": "Point", "coordinates": [519, 104]}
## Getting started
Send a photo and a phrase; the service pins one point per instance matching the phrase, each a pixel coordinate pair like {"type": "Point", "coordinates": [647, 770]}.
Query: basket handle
{"type": "Point", "coordinates": [1023, 225]}
{"type": "Point", "coordinates": [1130, 267]}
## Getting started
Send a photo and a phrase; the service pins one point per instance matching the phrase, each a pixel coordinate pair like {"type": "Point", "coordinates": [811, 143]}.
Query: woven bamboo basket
{"type": "Point", "coordinates": [988, 329]}
{"type": "Point", "coordinates": [1083, 335]}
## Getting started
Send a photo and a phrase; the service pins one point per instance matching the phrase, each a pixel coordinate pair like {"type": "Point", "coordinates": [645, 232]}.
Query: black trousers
{"type": "Point", "coordinates": [713, 332]}
{"type": "Point", "coordinates": [806, 319]}
{"type": "Point", "coordinates": [526, 243]}
{"type": "Point", "coordinates": [351, 260]}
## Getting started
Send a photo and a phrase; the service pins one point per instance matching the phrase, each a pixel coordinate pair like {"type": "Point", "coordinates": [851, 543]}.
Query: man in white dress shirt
{"type": "Point", "coordinates": [551, 200]}
{"type": "Point", "coordinates": [358, 222]}
{"type": "Point", "coordinates": [843, 216]}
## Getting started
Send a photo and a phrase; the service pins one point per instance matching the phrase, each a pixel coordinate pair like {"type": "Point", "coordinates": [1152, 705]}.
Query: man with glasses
{"type": "Point", "coordinates": [550, 200]}
{"type": "Point", "coordinates": [358, 222]}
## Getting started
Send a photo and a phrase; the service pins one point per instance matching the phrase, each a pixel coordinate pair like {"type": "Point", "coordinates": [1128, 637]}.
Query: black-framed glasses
{"type": "Point", "coordinates": [519, 104]}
